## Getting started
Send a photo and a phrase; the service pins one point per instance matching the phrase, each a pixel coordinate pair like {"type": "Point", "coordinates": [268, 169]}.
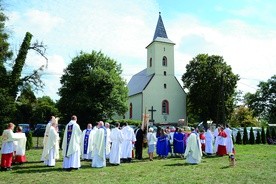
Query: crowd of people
{"type": "Point", "coordinates": [100, 145]}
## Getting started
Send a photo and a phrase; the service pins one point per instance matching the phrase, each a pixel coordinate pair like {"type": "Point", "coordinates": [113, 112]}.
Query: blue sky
{"type": "Point", "coordinates": [242, 31]}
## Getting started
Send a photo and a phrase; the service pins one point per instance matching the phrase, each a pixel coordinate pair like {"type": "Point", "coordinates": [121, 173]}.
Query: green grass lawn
{"type": "Point", "coordinates": [255, 164]}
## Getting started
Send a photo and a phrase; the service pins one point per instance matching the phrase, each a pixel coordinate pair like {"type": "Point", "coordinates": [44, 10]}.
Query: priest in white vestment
{"type": "Point", "coordinates": [193, 152]}
{"type": "Point", "coordinates": [116, 138]}
{"type": "Point", "coordinates": [229, 140]}
{"type": "Point", "coordinates": [209, 139]}
{"type": "Point", "coordinates": [127, 145]}
{"type": "Point", "coordinates": [46, 135]}
{"type": "Point", "coordinates": [86, 143]}
{"type": "Point", "coordinates": [52, 146]}
{"type": "Point", "coordinates": [216, 132]}
{"type": "Point", "coordinates": [108, 142]}
{"type": "Point", "coordinates": [71, 145]}
{"type": "Point", "coordinates": [99, 146]}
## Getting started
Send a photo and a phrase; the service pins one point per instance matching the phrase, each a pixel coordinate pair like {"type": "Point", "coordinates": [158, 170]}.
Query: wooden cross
{"type": "Point", "coordinates": [152, 110]}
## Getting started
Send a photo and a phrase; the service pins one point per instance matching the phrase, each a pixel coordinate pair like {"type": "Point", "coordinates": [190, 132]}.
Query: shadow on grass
{"type": "Point", "coordinates": [178, 164]}
{"type": "Point", "coordinates": [31, 162]}
{"type": "Point", "coordinates": [42, 169]}
{"type": "Point", "coordinates": [211, 156]}
{"type": "Point", "coordinates": [225, 167]}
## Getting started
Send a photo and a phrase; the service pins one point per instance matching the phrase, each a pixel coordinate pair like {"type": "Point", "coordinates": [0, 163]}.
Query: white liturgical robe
{"type": "Point", "coordinates": [71, 145]}
{"type": "Point", "coordinates": [193, 152]}
{"type": "Point", "coordinates": [116, 138]}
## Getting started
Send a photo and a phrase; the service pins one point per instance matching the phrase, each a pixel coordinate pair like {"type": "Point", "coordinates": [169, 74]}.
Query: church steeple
{"type": "Point", "coordinates": [160, 30]}
{"type": "Point", "coordinates": [160, 52]}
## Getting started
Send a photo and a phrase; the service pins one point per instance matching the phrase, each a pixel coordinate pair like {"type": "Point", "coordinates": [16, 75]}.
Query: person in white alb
{"type": "Point", "coordinates": [127, 145]}
{"type": "Point", "coordinates": [71, 145]}
{"type": "Point", "coordinates": [86, 143]}
{"type": "Point", "coordinates": [116, 138]}
{"type": "Point", "coordinates": [108, 143]}
{"type": "Point", "coordinates": [46, 135]}
{"type": "Point", "coordinates": [52, 147]}
{"type": "Point", "coordinates": [99, 146]}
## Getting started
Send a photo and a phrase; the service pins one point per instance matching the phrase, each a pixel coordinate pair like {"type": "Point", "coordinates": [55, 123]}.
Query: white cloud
{"type": "Point", "coordinates": [248, 49]}
{"type": "Point", "coordinates": [42, 21]}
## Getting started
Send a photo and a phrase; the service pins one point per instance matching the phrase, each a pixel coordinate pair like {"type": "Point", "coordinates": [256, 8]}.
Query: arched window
{"type": "Point", "coordinates": [165, 86]}
{"type": "Point", "coordinates": [165, 73]}
{"type": "Point", "coordinates": [165, 107]}
{"type": "Point", "coordinates": [130, 111]}
{"type": "Point", "coordinates": [164, 62]}
{"type": "Point", "coordinates": [150, 62]}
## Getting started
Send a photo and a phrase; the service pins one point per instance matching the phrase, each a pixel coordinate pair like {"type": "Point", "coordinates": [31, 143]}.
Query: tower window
{"type": "Point", "coordinates": [165, 107]}
{"type": "Point", "coordinates": [165, 73]}
{"type": "Point", "coordinates": [165, 86]}
{"type": "Point", "coordinates": [164, 62]}
{"type": "Point", "coordinates": [150, 62]}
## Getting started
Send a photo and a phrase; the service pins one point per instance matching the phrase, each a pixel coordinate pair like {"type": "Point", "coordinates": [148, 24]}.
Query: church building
{"type": "Point", "coordinates": [155, 89]}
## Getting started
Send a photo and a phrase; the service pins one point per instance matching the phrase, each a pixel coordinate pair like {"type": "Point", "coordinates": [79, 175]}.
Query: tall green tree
{"type": "Point", "coordinates": [211, 84]}
{"type": "Point", "coordinates": [92, 88]}
{"type": "Point", "coordinates": [12, 81]}
{"type": "Point", "coordinates": [263, 102]}
{"type": "Point", "coordinates": [242, 116]}
{"type": "Point", "coordinates": [44, 108]}
{"type": "Point", "coordinates": [25, 104]}
{"type": "Point", "coordinates": [7, 105]}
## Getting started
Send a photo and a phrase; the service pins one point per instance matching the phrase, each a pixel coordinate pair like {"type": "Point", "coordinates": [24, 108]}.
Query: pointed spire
{"type": "Point", "coordinates": [160, 29]}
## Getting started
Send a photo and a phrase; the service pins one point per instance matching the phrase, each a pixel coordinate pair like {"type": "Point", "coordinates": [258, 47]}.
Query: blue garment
{"type": "Point", "coordinates": [69, 133]}
{"type": "Point", "coordinates": [162, 146]}
{"type": "Point", "coordinates": [178, 143]}
{"type": "Point", "coordinates": [86, 137]}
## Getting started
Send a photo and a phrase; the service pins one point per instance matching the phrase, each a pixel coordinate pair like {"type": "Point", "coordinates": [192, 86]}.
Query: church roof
{"type": "Point", "coordinates": [160, 30]}
{"type": "Point", "coordinates": [160, 34]}
{"type": "Point", "coordinates": [138, 82]}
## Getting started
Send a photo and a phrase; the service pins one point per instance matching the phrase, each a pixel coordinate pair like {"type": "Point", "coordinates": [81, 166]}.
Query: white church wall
{"type": "Point", "coordinates": [155, 93]}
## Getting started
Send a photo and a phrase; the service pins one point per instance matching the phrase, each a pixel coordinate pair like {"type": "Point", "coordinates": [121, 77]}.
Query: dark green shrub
{"type": "Point", "coordinates": [273, 133]}
{"type": "Point", "coordinates": [263, 137]}
{"type": "Point", "coordinates": [245, 136]}
{"type": "Point", "coordinates": [238, 138]}
{"type": "Point", "coordinates": [252, 137]}
{"type": "Point", "coordinates": [29, 143]}
{"type": "Point", "coordinates": [268, 135]}
{"type": "Point", "coordinates": [258, 137]}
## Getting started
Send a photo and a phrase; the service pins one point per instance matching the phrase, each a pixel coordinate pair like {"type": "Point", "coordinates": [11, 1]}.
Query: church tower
{"type": "Point", "coordinates": [160, 52]}
{"type": "Point", "coordinates": [155, 90]}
